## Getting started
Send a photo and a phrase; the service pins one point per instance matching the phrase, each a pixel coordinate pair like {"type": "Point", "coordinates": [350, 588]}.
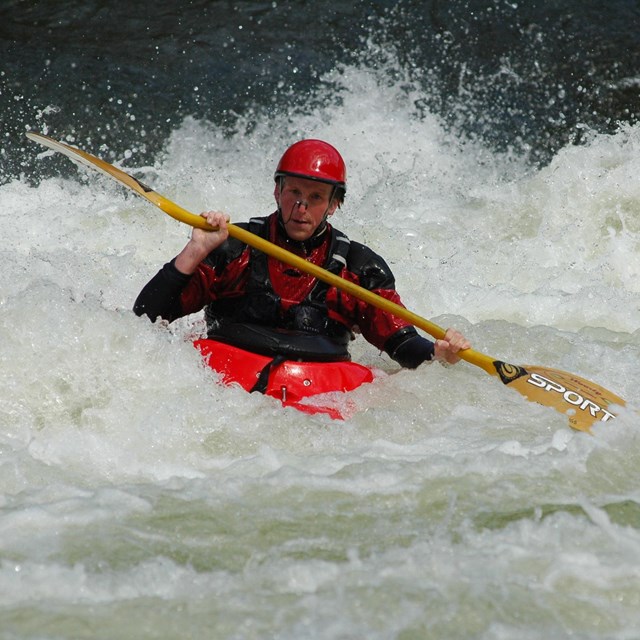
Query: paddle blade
{"type": "Point", "coordinates": [582, 401]}
{"type": "Point", "coordinates": [80, 157]}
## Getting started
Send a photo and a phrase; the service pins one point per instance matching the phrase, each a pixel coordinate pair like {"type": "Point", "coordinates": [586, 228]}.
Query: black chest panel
{"type": "Point", "coordinates": [261, 305]}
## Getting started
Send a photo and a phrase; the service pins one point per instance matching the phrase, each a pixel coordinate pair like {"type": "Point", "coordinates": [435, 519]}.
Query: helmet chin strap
{"type": "Point", "coordinates": [323, 223]}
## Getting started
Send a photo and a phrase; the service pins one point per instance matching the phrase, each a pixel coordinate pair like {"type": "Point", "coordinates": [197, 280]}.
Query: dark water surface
{"type": "Point", "coordinates": [522, 76]}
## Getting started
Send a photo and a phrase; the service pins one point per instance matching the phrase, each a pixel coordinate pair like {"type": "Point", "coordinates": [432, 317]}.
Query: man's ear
{"type": "Point", "coordinates": [335, 203]}
{"type": "Point", "coordinates": [276, 192]}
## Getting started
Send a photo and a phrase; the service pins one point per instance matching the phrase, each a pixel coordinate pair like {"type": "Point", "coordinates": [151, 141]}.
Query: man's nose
{"type": "Point", "coordinates": [302, 203]}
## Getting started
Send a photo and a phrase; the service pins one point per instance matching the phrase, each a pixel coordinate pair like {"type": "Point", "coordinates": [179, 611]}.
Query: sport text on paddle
{"type": "Point", "coordinates": [582, 401]}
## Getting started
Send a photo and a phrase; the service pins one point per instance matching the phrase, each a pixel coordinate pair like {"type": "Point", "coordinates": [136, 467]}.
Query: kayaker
{"type": "Point", "coordinates": [241, 288]}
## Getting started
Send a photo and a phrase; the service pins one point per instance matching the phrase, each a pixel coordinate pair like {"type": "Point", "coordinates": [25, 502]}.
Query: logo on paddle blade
{"type": "Point", "coordinates": [567, 393]}
{"type": "Point", "coordinates": [570, 396]}
{"type": "Point", "coordinates": [509, 372]}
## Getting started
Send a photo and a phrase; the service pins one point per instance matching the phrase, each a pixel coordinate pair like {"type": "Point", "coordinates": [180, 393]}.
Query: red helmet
{"type": "Point", "coordinates": [314, 160]}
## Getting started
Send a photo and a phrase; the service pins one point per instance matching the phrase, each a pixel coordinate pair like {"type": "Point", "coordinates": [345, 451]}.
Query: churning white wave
{"type": "Point", "coordinates": [143, 499]}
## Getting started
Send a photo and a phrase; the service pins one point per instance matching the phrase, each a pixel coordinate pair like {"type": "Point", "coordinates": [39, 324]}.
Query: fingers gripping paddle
{"type": "Point", "coordinates": [583, 402]}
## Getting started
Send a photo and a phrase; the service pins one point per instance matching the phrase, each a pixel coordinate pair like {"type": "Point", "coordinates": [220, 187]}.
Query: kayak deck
{"type": "Point", "coordinates": [291, 382]}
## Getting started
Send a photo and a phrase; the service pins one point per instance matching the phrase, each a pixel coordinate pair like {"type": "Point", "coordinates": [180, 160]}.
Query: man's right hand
{"type": "Point", "coordinates": [202, 242]}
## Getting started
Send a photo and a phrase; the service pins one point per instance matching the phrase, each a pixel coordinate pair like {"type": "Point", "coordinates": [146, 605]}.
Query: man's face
{"type": "Point", "coordinates": [304, 204]}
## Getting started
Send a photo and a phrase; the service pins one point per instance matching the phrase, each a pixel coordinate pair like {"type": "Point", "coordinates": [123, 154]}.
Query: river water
{"type": "Point", "coordinates": [493, 154]}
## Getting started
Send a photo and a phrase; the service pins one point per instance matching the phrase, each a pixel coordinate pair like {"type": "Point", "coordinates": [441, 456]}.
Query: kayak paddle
{"type": "Point", "coordinates": [582, 401]}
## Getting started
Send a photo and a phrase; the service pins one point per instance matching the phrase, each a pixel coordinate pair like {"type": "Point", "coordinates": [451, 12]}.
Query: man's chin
{"type": "Point", "coordinates": [299, 234]}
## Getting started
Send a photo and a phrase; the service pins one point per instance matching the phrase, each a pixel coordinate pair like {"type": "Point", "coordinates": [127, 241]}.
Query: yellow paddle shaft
{"type": "Point", "coordinates": [175, 211]}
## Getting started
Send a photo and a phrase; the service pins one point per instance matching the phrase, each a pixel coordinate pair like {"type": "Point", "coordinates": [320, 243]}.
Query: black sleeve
{"type": "Point", "coordinates": [371, 269]}
{"type": "Point", "coordinates": [408, 348]}
{"type": "Point", "coordinates": [161, 295]}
